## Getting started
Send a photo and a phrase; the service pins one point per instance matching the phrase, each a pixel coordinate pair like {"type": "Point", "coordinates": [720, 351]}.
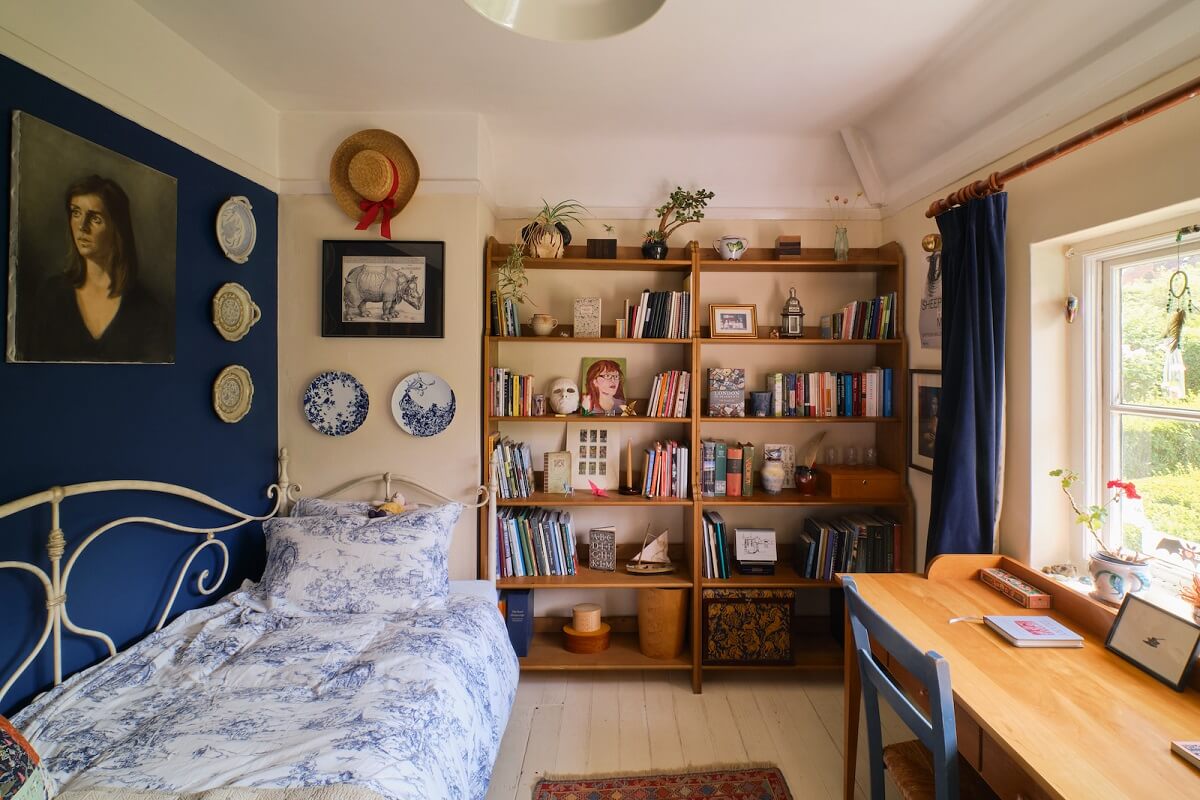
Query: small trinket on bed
{"type": "Point", "coordinates": [393, 506]}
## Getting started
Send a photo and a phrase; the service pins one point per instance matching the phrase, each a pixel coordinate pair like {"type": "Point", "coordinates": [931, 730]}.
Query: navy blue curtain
{"type": "Point", "coordinates": [966, 450]}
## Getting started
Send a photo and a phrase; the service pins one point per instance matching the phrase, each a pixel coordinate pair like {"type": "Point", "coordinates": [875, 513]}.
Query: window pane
{"type": "Point", "coordinates": [1162, 458]}
{"type": "Point", "coordinates": [1152, 374]}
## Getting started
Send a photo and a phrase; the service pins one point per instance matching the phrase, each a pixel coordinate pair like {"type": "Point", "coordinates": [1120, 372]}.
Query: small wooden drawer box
{"type": "Point", "coordinates": [858, 483]}
{"type": "Point", "coordinates": [747, 626]}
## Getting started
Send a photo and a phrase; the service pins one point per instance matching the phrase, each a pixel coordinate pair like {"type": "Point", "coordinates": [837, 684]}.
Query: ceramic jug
{"type": "Point", "coordinates": [731, 247]}
{"type": "Point", "coordinates": [542, 324]}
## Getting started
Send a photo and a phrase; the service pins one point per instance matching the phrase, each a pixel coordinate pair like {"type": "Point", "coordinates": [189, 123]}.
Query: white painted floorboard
{"type": "Point", "coordinates": [632, 721]}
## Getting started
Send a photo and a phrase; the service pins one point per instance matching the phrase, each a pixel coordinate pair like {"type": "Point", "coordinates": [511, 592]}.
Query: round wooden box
{"type": "Point", "coordinates": [590, 642]}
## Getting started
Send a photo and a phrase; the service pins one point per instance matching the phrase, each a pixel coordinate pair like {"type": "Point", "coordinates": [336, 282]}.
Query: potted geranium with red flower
{"type": "Point", "coordinates": [1118, 571]}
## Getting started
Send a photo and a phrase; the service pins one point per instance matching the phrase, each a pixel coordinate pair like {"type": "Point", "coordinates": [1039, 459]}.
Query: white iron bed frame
{"type": "Point", "coordinates": [283, 491]}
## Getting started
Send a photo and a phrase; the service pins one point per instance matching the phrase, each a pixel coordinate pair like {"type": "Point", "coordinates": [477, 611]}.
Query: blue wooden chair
{"type": "Point", "coordinates": [928, 767]}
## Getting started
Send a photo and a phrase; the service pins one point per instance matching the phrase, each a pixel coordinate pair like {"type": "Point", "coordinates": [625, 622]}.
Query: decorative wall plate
{"type": "Point", "coordinates": [232, 393]}
{"type": "Point", "coordinates": [423, 404]}
{"type": "Point", "coordinates": [236, 230]}
{"type": "Point", "coordinates": [335, 403]}
{"type": "Point", "coordinates": [234, 313]}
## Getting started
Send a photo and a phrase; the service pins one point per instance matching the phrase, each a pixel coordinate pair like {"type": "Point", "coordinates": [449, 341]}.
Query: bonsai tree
{"type": "Point", "coordinates": [680, 209]}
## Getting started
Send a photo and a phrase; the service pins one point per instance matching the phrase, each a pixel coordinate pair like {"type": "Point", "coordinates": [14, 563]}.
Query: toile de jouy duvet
{"type": "Point", "coordinates": [411, 705]}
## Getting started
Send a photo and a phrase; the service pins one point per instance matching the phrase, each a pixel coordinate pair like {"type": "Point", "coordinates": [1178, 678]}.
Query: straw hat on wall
{"type": "Point", "coordinates": [373, 175]}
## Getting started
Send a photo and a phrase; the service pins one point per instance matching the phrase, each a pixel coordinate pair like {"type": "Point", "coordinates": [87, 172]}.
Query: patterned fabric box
{"type": "Point", "coordinates": [747, 626]}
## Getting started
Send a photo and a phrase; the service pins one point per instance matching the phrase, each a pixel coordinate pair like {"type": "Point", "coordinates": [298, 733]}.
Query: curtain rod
{"type": "Point", "coordinates": [995, 182]}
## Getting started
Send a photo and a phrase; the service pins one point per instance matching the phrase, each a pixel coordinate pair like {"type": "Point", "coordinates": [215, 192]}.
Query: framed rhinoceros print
{"type": "Point", "coordinates": [383, 288]}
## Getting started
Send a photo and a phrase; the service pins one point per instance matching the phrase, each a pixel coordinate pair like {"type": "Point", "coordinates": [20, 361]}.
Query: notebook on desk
{"type": "Point", "coordinates": [1033, 631]}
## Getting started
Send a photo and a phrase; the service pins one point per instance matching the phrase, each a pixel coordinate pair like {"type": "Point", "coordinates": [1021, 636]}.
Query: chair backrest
{"type": "Point", "coordinates": [936, 730]}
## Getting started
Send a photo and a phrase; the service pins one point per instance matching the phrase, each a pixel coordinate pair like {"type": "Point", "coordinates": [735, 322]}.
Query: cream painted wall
{"type": "Point", "coordinates": [119, 55]}
{"type": "Point", "coordinates": [448, 462]}
{"type": "Point", "coordinates": [1149, 166]}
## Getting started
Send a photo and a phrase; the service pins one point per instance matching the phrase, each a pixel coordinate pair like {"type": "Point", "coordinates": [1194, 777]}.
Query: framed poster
{"type": "Point", "coordinates": [91, 273]}
{"type": "Point", "coordinates": [383, 288]}
{"type": "Point", "coordinates": [925, 400]}
{"type": "Point", "coordinates": [595, 455]}
{"type": "Point", "coordinates": [1156, 640]}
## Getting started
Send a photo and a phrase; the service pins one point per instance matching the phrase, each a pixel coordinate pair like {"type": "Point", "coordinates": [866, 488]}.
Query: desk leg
{"type": "Point", "coordinates": [853, 698]}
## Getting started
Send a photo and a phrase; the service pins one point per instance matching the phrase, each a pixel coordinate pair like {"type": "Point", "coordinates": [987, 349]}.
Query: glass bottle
{"type": "Point", "coordinates": [841, 243]}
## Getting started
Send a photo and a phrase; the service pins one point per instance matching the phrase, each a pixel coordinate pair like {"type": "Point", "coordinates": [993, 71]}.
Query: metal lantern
{"type": "Point", "coordinates": [792, 316]}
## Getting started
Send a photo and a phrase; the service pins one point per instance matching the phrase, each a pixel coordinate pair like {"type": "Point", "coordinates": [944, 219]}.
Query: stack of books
{"type": "Point", "coordinates": [513, 467]}
{"type": "Point", "coordinates": [787, 247]}
{"type": "Point", "coordinates": [509, 394]}
{"type": "Point", "coordinates": [504, 316]}
{"type": "Point", "coordinates": [726, 470]}
{"type": "Point", "coordinates": [851, 543]}
{"type": "Point", "coordinates": [535, 541]}
{"type": "Point", "coordinates": [665, 470]}
{"type": "Point", "coordinates": [715, 559]}
{"type": "Point", "coordinates": [831, 394]}
{"type": "Point", "coordinates": [669, 394]}
{"type": "Point", "coordinates": [863, 319]}
{"type": "Point", "coordinates": [659, 315]}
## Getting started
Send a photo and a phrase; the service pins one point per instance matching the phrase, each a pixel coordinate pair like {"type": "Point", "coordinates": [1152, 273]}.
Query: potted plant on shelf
{"type": "Point", "coordinates": [548, 235]}
{"type": "Point", "coordinates": [680, 209]}
{"type": "Point", "coordinates": [1192, 595]}
{"type": "Point", "coordinates": [1115, 572]}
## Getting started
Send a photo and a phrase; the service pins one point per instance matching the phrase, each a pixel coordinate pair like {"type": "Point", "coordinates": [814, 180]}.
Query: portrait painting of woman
{"type": "Point", "coordinates": [602, 390]}
{"type": "Point", "coordinates": [84, 288]}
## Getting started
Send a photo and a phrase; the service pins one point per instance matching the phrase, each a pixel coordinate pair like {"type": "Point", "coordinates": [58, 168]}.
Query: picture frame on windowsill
{"type": "Point", "coordinates": [1153, 639]}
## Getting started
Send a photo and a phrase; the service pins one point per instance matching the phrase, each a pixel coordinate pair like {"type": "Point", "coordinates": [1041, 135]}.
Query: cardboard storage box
{"type": "Point", "coordinates": [747, 626]}
{"type": "Point", "coordinates": [858, 483]}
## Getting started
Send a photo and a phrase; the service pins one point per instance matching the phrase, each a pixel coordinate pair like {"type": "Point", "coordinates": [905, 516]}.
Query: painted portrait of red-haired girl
{"type": "Point", "coordinates": [602, 390]}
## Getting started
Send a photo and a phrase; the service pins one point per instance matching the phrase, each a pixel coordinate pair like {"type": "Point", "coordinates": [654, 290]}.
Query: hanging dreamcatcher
{"type": "Point", "coordinates": [1179, 305]}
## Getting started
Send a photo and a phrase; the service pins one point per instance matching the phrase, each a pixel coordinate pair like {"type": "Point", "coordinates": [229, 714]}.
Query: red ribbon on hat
{"type": "Point", "coordinates": [371, 208]}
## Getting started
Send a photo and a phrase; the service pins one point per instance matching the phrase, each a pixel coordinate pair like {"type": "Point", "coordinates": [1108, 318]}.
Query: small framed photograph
{"type": "Point", "coordinates": [1155, 640]}
{"type": "Point", "coordinates": [732, 322]}
{"type": "Point", "coordinates": [383, 288]}
{"type": "Point", "coordinates": [925, 391]}
{"type": "Point", "coordinates": [755, 544]}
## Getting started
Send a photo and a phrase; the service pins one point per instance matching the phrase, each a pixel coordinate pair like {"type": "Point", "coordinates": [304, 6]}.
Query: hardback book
{"type": "Point", "coordinates": [1033, 631]}
{"type": "Point", "coordinates": [733, 470]}
{"type": "Point", "coordinates": [587, 317]}
{"type": "Point", "coordinates": [602, 548]}
{"type": "Point", "coordinates": [556, 472]}
{"type": "Point", "coordinates": [1188, 751]}
{"type": "Point", "coordinates": [726, 392]}
{"type": "Point", "coordinates": [720, 469]}
{"type": "Point", "coordinates": [518, 604]}
{"type": "Point", "coordinates": [747, 469]}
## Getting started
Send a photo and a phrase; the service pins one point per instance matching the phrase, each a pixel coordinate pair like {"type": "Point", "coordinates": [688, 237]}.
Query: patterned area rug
{"type": "Point", "coordinates": [758, 783]}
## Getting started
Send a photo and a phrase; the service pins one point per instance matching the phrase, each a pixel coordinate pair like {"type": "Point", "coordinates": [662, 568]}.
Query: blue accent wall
{"type": "Point", "coordinates": [69, 423]}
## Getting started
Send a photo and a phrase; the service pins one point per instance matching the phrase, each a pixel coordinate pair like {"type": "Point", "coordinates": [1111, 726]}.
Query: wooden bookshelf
{"type": "Point", "coordinates": [814, 648]}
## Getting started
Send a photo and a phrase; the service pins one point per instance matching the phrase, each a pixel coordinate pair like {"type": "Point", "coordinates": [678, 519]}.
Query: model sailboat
{"type": "Point", "coordinates": [653, 558]}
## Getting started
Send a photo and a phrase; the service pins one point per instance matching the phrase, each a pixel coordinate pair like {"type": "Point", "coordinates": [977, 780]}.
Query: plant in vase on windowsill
{"type": "Point", "coordinates": [1115, 572]}
{"type": "Point", "coordinates": [680, 209]}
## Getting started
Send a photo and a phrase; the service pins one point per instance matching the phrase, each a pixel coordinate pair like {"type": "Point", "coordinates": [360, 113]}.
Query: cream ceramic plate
{"type": "Point", "coordinates": [236, 230]}
{"type": "Point", "coordinates": [234, 313]}
{"type": "Point", "coordinates": [232, 392]}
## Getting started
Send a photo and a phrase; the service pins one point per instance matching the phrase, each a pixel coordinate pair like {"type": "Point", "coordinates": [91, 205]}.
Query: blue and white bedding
{"type": "Point", "coordinates": [411, 704]}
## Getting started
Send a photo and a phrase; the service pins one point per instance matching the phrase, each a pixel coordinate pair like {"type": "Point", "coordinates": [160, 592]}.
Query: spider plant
{"type": "Point", "coordinates": [547, 234]}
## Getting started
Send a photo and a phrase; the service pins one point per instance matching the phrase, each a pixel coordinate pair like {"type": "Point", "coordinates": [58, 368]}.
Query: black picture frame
{"type": "Point", "coordinates": [1142, 627]}
{"type": "Point", "coordinates": [339, 318]}
{"type": "Point", "coordinates": [921, 433]}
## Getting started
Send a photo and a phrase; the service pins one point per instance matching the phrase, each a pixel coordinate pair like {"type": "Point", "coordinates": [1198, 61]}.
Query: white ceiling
{"type": "Point", "coordinates": [934, 88]}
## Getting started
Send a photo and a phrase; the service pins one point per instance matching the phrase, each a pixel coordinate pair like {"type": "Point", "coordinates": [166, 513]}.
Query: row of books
{"type": "Point", "coordinates": [659, 315]}
{"type": "Point", "coordinates": [509, 394]}
{"type": "Point", "coordinates": [669, 394]}
{"type": "Point", "coordinates": [851, 543]}
{"type": "Point", "coordinates": [831, 394]}
{"type": "Point", "coordinates": [665, 470]}
{"type": "Point", "coordinates": [504, 321]}
{"type": "Point", "coordinates": [513, 465]}
{"type": "Point", "coordinates": [715, 558]}
{"type": "Point", "coordinates": [863, 319]}
{"type": "Point", "coordinates": [535, 541]}
{"type": "Point", "coordinates": [726, 470]}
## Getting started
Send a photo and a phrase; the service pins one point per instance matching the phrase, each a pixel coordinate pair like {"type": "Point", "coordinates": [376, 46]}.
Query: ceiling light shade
{"type": "Point", "coordinates": [567, 20]}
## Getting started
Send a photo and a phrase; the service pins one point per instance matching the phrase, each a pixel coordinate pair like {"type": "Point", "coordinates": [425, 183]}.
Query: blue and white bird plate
{"type": "Point", "coordinates": [423, 404]}
{"type": "Point", "coordinates": [335, 403]}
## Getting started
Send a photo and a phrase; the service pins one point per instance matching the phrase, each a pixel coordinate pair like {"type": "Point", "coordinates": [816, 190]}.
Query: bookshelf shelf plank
{"type": "Point", "coordinates": [815, 259]}
{"type": "Point", "coordinates": [547, 653]}
{"type": "Point", "coordinates": [785, 577]}
{"type": "Point", "coordinates": [628, 259]}
{"type": "Point", "coordinates": [791, 497]}
{"type": "Point", "coordinates": [598, 579]}
{"type": "Point", "coordinates": [606, 420]}
{"type": "Point", "coordinates": [811, 338]}
{"type": "Point", "coordinates": [803, 420]}
{"type": "Point", "coordinates": [583, 340]}
{"type": "Point", "coordinates": [586, 498]}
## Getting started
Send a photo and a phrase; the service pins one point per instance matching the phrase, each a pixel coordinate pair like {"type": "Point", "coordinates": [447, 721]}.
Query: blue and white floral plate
{"type": "Point", "coordinates": [423, 404]}
{"type": "Point", "coordinates": [336, 403]}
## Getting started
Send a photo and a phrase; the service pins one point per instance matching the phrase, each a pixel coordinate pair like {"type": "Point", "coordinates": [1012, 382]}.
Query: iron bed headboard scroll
{"type": "Point", "coordinates": [283, 491]}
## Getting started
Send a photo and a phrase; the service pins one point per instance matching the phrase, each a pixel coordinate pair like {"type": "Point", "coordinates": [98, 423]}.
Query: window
{"type": "Point", "coordinates": [1146, 425]}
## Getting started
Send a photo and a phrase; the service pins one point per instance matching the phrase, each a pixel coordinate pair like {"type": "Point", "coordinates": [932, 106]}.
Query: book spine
{"type": "Point", "coordinates": [747, 470]}
{"type": "Point", "coordinates": [733, 474]}
{"type": "Point", "coordinates": [720, 469]}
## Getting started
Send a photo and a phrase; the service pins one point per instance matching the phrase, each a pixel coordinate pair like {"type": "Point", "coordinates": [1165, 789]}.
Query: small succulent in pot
{"type": "Point", "coordinates": [548, 235]}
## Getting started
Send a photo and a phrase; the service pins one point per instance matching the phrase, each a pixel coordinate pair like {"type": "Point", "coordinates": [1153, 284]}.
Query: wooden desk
{"type": "Point", "coordinates": [1037, 723]}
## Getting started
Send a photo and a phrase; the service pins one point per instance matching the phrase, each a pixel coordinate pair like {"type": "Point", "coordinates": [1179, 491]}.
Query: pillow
{"type": "Point", "coordinates": [356, 565]}
{"type": "Point", "coordinates": [316, 507]}
{"type": "Point", "coordinates": [21, 773]}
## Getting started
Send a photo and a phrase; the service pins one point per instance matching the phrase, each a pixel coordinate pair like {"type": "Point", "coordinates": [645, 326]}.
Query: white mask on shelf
{"type": "Point", "coordinates": [564, 396]}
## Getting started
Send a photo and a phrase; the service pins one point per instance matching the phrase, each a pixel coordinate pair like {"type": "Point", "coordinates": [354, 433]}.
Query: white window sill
{"type": "Point", "coordinates": [1161, 593]}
